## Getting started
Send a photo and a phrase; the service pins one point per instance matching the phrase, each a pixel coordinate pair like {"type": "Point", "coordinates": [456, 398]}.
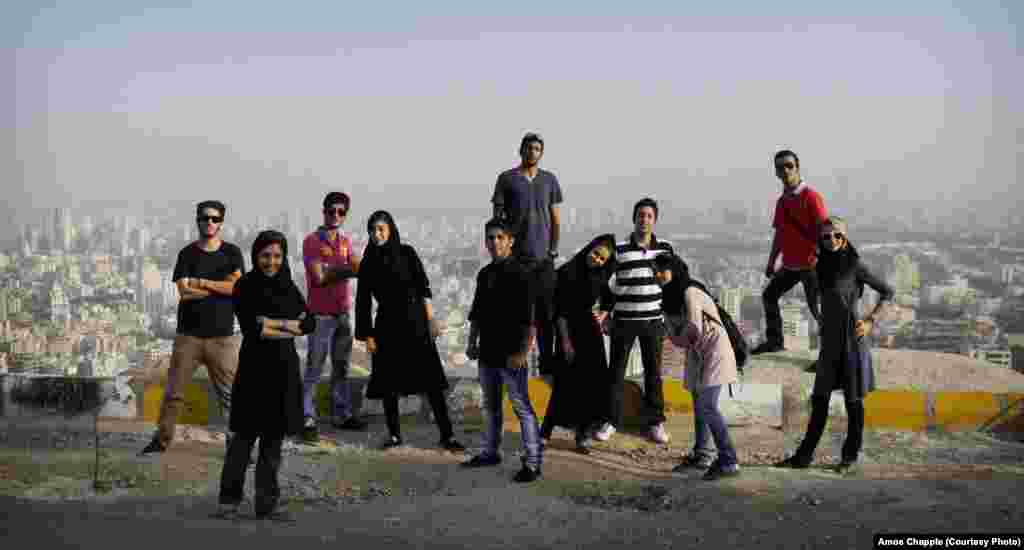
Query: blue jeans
{"type": "Point", "coordinates": [491, 381]}
{"type": "Point", "coordinates": [333, 335]}
{"type": "Point", "coordinates": [708, 421]}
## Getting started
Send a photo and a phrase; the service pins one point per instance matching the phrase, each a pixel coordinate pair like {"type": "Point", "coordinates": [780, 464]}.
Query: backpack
{"type": "Point", "coordinates": [740, 347]}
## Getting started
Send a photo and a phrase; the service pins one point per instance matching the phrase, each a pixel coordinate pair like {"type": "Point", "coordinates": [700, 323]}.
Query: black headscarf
{"type": "Point", "coordinates": [672, 294]}
{"type": "Point", "coordinates": [388, 252]}
{"type": "Point", "coordinates": [272, 296]}
{"type": "Point", "coordinates": [833, 265]}
{"type": "Point", "coordinates": [577, 268]}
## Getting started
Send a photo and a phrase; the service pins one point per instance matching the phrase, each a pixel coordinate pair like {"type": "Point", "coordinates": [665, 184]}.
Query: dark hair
{"type": "Point", "coordinates": [673, 263]}
{"type": "Point", "coordinates": [527, 140]}
{"type": "Point", "coordinates": [646, 201]}
{"type": "Point", "coordinates": [787, 153]}
{"type": "Point", "coordinates": [498, 223]}
{"type": "Point", "coordinates": [216, 205]}
{"type": "Point", "coordinates": [335, 197]}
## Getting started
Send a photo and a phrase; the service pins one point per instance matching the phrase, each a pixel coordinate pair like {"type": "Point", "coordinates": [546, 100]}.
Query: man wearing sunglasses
{"type": "Point", "coordinates": [330, 263]}
{"type": "Point", "coordinates": [205, 274]}
{"type": "Point", "coordinates": [799, 213]}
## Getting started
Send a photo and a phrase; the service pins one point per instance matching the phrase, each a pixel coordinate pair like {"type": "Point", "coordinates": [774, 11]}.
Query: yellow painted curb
{"type": "Point", "coordinates": [197, 404]}
{"type": "Point", "coordinates": [540, 394]}
{"type": "Point", "coordinates": [677, 398]}
{"type": "Point", "coordinates": [903, 410]}
{"type": "Point", "coordinates": [965, 410]}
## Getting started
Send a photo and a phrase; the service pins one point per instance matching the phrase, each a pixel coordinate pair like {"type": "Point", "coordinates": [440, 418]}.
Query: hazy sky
{"type": "Point", "coordinates": [265, 104]}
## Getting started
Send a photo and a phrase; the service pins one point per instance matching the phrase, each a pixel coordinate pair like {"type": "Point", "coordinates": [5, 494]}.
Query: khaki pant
{"type": "Point", "coordinates": [218, 354]}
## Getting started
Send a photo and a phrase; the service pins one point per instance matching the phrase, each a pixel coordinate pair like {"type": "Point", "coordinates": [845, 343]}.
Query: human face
{"type": "Point", "coordinates": [498, 243]}
{"type": "Point", "coordinates": [831, 239]}
{"type": "Point", "coordinates": [269, 259]}
{"type": "Point", "coordinates": [381, 233]}
{"type": "Point", "coordinates": [787, 169]}
{"type": "Point", "coordinates": [645, 218]}
{"type": "Point", "coordinates": [532, 153]}
{"type": "Point", "coordinates": [334, 215]}
{"type": "Point", "coordinates": [598, 257]}
{"type": "Point", "coordinates": [663, 277]}
{"type": "Point", "coordinates": [209, 221]}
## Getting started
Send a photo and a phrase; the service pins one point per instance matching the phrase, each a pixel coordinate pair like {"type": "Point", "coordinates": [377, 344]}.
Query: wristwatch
{"type": "Point", "coordinates": [552, 254]}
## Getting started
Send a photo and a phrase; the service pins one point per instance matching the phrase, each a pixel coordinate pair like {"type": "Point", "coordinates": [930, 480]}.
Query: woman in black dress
{"type": "Point", "coordinates": [845, 359]}
{"type": "Point", "coordinates": [400, 339]}
{"type": "Point", "coordinates": [581, 372]}
{"type": "Point", "coordinates": [266, 396]}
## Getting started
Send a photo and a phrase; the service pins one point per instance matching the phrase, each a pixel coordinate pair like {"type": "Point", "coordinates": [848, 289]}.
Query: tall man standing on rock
{"type": "Point", "coordinates": [527, 197]}
{"type": "Point", "coordinates": [799, 213]}
{"type": "Point", "coordinates": [205, 274]}
{"type": "Point", "coordinates": [327, 254]}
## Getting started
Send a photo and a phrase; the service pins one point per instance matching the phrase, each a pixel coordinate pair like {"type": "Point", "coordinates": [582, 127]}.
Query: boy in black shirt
{"type": "Point", "coordinates": [205, 275]}
{"type": "Point", "coordinates": [500, 317]}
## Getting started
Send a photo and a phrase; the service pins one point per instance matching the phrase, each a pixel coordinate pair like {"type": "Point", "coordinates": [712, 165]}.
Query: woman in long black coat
{"type": "Point", "coordinates": [581, 374]}
{"type": "Point", "coordinates": [400, 339]}
{"type": "Point", "coordinates": [845, 359]}
{"type": "Point", "coordinates": [266, 397]}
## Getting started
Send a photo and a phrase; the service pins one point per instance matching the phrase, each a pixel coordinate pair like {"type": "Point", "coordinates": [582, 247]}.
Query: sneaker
{"type": "Point", "coordinates": [767, 347]}
{"type": "Point", "coordinates": [391, 443]}
{"type": "Point", "coordinates": [480, 461]}
{"type": "Point", "coordinates": [527, 474]}
{"type": "Point", "coordinates": [693, 461]}
{"type": "Point", "coordinates": [154, 447]}
{"type": "Point", "coordinates": [352, 423]}
{"type": "Point", "coordinates": [310, 433]}
{"type": "Point", "coordinates": [793, 462]}
{"type": "Point", "coordinates": [605, 433]}
{"type": "Point", "coordinates": [452, 445]}
{"type": "Point", "coordinates": [659, 434]}
{"type": "Point", "coordinates": [277, 514]}
{"type": "Point", "coordinates": [717, 471]}
{"type": "Point", "coordinates": [226, 511]}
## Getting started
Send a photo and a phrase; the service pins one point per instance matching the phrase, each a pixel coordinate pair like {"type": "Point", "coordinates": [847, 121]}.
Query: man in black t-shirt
{"type": "Point", "coordinates": [205, 275]}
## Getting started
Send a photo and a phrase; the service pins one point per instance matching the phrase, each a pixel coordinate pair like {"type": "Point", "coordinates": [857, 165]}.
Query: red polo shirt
{"type": "Point", "coordinates": [805, 207]}
{"type": "Point", "coordinates": [337, 298]}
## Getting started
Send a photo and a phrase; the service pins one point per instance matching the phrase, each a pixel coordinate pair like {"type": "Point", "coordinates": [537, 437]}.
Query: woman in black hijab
{"type": "Point", "coordinates": [400, 339]}
{"type": "Point", "coordinates": [266, 396]}
{"type": "Point", "coordinates": [845, 359]}
{"type": "Point", "coordinates": [581, 375]}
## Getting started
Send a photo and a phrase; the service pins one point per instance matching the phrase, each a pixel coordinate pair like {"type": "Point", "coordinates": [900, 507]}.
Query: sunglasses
{"type": "Point", "coordinates": [835, 236]}
{"type": "Point", "coordinates": [214, 219]}
{"type": "Point", "coordinates": [335, 211]}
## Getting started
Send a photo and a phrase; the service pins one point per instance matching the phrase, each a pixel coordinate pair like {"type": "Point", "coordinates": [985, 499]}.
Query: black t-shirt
{"type": "Point", "coordinates": [214, 315]}
{"type": "Point", "coordinates": [502, 310]}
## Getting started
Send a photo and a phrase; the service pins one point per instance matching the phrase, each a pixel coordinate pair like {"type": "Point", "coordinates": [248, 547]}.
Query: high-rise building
{"type": "Point", "coordinates": [61, 229]}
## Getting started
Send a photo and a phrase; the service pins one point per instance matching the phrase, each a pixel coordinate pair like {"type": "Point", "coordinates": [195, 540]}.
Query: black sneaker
{"type": "Point", "coordinates": [452, 445]}
{"type": "Point", "coordinates": [793, 462]}
{"type": "Point", "coordinates": [693, 462]}
{"type": "Point", "coordinates": [278, 514]}
{"type": "Point", "coordinates": [391, 443]}
{"type": "Point", "coordinates": [154, 447]}
{"type": "Point", "coordinates": [351, 423]}
{"type": "Point", "coordinates": [767, 347]}
{"type": "Point", "coordinates": [717, 471]}
{"type": "Point", "coordinates": [527, 474]}
{"type": "Point", "coordinates": [226, 511]}
{"type": "Point", "coordinates": [480, 461]}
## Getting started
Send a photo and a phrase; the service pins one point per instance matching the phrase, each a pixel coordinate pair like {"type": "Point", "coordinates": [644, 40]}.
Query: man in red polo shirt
{"type": "Point", "coordinates": [330, 263]}
{"type": "Point", "coordinates": [798, 213]}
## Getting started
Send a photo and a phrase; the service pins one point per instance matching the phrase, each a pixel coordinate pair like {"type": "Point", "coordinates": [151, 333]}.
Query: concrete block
{"type": "Point", "coordinates": [752, 403]}
{"type": "Point", "coordinates": [197, 403]}
{"type": "Point", "coordinates": [965, 410]}
{"type": "Point", "coordinates": [53, 402]}
{"type": "Point", "coordinates": [900, 410]}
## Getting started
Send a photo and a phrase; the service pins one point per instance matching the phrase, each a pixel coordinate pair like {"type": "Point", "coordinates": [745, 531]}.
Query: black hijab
{"type": "Point", "coordinates": [388, 252]}
{"type": "Point", "coordinates": [833, 265]}
{"type": "Point", "coordinates": [276, 295]}
{"type": "Point", "coordinates": [577, 269]}
{"type": "Point", "coordinates": [672, 294]}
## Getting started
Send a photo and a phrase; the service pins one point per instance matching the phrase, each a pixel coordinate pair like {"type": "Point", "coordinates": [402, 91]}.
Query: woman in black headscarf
{"type": "Point", "coordinates": [845, 359]}
{"type": "Point", "coordinates": [581, 375]}
{"type": "Point", "coordinates": [400, 339]}
{"type": "Point", "coordinates": [266, 396]}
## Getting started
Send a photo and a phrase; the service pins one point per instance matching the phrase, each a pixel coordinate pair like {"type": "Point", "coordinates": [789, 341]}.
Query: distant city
{"type": "Point", "coordinates": [93, 295]}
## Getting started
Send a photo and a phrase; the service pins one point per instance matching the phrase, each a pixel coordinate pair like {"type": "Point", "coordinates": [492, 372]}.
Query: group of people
{"type": "Point", "coordinates": [633, 290]}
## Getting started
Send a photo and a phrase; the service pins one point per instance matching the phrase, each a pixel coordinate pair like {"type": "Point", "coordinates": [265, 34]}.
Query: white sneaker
{"type": "Point", "coordinates": [605, 433]}
{"type": "Point", "coordinates": [658, 433]}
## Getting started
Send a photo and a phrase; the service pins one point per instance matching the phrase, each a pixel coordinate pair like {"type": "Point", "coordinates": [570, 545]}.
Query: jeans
{"type": "Point", "coordinates": [816, 427]}
{"type": "Point", "coordinates": [491, 381]}
{"type": "Point", "coordinates": [781, 283]}
{"type": "Point", "coordinates": [650, 334]}
{"type": "Point", "coordinates": [709, 423]}
{"type": "Point", "coordinates": [232, 478]}
{"type": "Point", "coordinates": [333, 335]}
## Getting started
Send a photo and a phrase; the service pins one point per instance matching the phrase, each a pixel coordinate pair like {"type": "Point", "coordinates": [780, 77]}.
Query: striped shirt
{"type": "Point", "coordinates": [632, 292]}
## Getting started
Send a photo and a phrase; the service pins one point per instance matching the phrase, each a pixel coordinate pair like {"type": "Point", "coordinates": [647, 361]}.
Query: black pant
{"type": "Point", "coordinates": [650, 334]}
{"type": "Point", "coordinates": [437, 403]}
{"type": "Point", "coordinates": [816, 427]}
{"type": "Point", "coordinates": [232, 477]}
{"type": "Point", "coordinates": [781, 283]}
{"type": "Point", "coordinates": [542, 285]}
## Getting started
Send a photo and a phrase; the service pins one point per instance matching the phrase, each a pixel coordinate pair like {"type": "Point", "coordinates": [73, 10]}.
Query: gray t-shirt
{"type": "Point", "coordinates": [527, 204]}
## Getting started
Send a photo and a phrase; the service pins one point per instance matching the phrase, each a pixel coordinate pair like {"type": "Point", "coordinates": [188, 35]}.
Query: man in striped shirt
{"type": "Point", "coordinates": [634, 297]}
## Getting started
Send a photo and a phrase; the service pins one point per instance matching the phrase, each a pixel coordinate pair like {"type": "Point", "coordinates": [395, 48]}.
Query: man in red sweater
{"type": "Point", "coordinates": [798, 213]}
